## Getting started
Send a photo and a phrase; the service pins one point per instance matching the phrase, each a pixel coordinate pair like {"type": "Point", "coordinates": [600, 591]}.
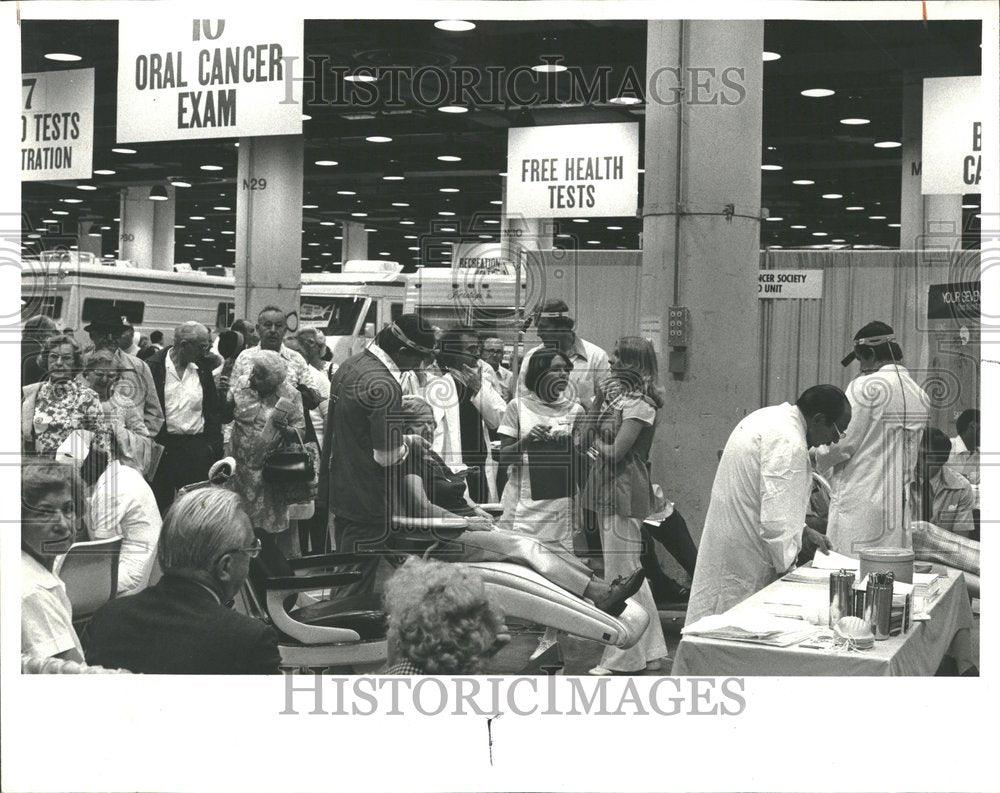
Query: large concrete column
{"type": "Point", "coordinates": [268, 224]}
{"type": "Point", "coordinates": [87, 243]}
{"type": "Point", "coordinates": [354, 241]}
{"type": "Point", "coordinates": [931, 223]}
{"type": "Point", "coordinates": [701, 241]}
{"type": "Point", "coordinates": [146, 228]}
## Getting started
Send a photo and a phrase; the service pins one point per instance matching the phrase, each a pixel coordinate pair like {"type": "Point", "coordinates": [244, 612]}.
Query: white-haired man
{"type": "Point", "coordinates": [183, 625]}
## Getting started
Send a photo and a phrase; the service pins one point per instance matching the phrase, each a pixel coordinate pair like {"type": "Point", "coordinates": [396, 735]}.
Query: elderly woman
{"type": "Point", "coordinates": [130, 435]}
{"type": "Point", "coordinates": [51, 500]}
{"type": "Point", "coordinates": [267, 411]}
{"type": "Point", "coordinates": [427, 488]}
{"type": "Point", "coordinates": [59, 404]}
{"type": "Point", "coordinates": [440, 620]}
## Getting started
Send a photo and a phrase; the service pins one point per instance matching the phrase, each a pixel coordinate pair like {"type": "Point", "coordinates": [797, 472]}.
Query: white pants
{"type": "Point", "coordinates": [622, 544]}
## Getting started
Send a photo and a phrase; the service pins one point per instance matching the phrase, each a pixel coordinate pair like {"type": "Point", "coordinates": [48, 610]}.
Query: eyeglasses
{"type": "Point", "coordinates": [253, 551]}
{"type": "Point", "coordinates": [840, 433]}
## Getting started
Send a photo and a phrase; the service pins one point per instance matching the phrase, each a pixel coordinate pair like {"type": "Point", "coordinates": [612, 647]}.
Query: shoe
{"type": "Point", "coordinates": [600, 671]}
{"type": "Point", "coordinates": [622, 588]}
{"type": "Point", "coordinates": [543, 645]}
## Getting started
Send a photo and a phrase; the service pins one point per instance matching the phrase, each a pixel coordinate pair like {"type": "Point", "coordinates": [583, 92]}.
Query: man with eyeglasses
{"type": "Point", "coordinates": [184, 624]}
{"type": "Point", "coordinates": [756, 520]}
{"type": "Point", "coordinates": [191, 434]}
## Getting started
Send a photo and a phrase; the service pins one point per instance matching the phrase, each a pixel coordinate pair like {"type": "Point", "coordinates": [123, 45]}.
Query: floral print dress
{"type": "Point", "coordinates": [65, 406]}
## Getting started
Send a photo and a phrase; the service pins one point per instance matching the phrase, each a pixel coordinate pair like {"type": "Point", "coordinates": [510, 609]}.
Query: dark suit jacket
{"type": "Point", "coordinates": [176, 627]}
{"type": "Point", "coordinates": [210, 407]}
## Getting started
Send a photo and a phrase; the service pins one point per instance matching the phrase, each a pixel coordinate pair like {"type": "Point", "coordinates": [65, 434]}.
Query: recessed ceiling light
{"type": "Point", "coordinates": [593, 242]}
{"type": "Point", "coordinates": [888, 144]}
{"type": "Point", "coordinates": [190, 245]}
{"type": "Point", "coordinates": [393, 177]}
{"type": "Point", "coordinates": [407, 223]}
{"type": "Point", "coordinates": [413, 248]}
{"type": "Point", "coordinates": [230, 250]}
{"type": "Point", "coordinates": [180, 184]}
{"type": "Point", "coordinates": [222, 209]}
{"type": "Point", "coordinates": [564, 236]}
{"type": "Point", "coordinates": [625, 100]}
{"type": "Point", "coordinates": [327, 223]}
{"type": "Point", "coordinates": [211, 167]}
{"type": "Point", "coordinates": [228, 232]}
{"type": "Point", "coordinates": [803, 181]}
{"type": "Point", "coordinates": [196, 217]}
{"type": "Point", "coordinates": [614, 228]}
{"type": "Point", "coordinates": [71, 200]}
{"type": "Point", "coordinates": [34, 236]}
{"type": "Point", "coordinates": [964, 206]}
{"type": "Point", "coordinates": [370, 230]}
{"type": "Point", "coordinates": [123, 151]}
{"type": "Point", "coordinates": [454, 25]}
{"type": "Point", "coordinates": [502, 173]}
{"type": "Point", "coordinates": [548, 68]}
{"type": "Point", "coordinates": [820, 234]}
{"type": "Point", "coordinates": [85, 187]}
{"type": "Point", "coordinates": [208, 239]}
{"type": "Point", "coordinates": [313, 244]}
{"type": "Point", "coordinates": [449, 158]}
{"type": "Point", "coordinates": [797, 227]}
{"type": "Point", "coordinates": [580, 220]}
{"type": "Point", "coordinates": [384, 253]}
{"type": "Point", "coordinates": [773, 219]}
{"type": "Point", "coordinates": [893, 225]}
{"type": "Point", "coordinates": [50, 220]}
{"type": "Point", "coordinates": [306, 117]}
{"type": "Point", "coordinates": [770, 56]}
{"type": "Point", "coordinates": [446, 213]}
{"type": "Point", "coordinates": [105, 172]}
{"type": "Point", "coordinates": [360, 78]}
{"type": "Point", "coordinates": [453, 109]}
{"type": "Point", "coordinates": [448, 190]}
{"type": "Point", "coordinates": [400, 204]}
{"type": "Point", "coordinates": [327, 253]}
{"type": "Point", "coordinates": [346, 192]}
{"type": "Point", "coordinates": [359, 214]}
{"type": "Point", "coordinates": [876, 217]}
{"type": "Point", "coordinates": [378, 139]}
{"type": "Point", "coordinates": [66, 57]}
{"type": "Point", "coordinates": [447, 229]}
{"type": "Point", "coordinates": [59, 212]}
{"type": "Point", "coordinates": [817, 92]}
{"type": "Point", "coordinates": [770, 167]}
{"type": "Point", "coordinates": [306, 206]}
{"type": "Point", "coordinates": [855, 121]}
{"type": "Point", "coordinates": [485, 236]}
{"type": "Point", "coordinates": [497, 203]}
{"type": "Point", "coordinates": [838, 240]}
{"type": "Point", "coordinates": [492, 222]}
{"type": "Point", "coordinates": [409, 237]}
{"type": "Point", "coordinates": [326, 163]}
{"type": "Point", "coordinates": [832, 195]}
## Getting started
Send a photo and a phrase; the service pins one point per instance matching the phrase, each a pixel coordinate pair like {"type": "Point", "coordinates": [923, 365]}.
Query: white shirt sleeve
{"type": "Point", "coordinates": [784, 494]}
{"type": "Point", "coordinates": [490, 404]}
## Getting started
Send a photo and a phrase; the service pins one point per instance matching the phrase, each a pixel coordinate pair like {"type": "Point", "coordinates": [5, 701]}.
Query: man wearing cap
{"type": "Point", "coordinates": [590, 363]}
{"type": "Point", "coordinates": [361, 443]}
{"type": "Point", "coordinates": [871, 469]}
{"type": "Point", "coordinates": [135, 381]}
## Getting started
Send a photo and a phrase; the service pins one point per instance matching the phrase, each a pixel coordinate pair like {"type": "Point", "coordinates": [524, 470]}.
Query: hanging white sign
{"type": "Point", "coordinates": [952, 136]}
{"type": "Point", "coordinates": [576, 170]}
{"type": "Point", "coordinates": [181, 78]}
{"type": "Point", "coordinates": [57, 125]}
{"type": "Point", "coordinates": [795, 284]}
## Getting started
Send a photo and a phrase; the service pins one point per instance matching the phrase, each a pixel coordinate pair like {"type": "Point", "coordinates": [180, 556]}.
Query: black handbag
{"type": "Point", "coordinates": [289, 465]}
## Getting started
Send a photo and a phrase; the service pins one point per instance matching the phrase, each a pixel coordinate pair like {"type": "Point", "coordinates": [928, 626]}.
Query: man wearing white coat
{"type": "Point", "coordinates": [755, 524]}
{"type": "Point", "coordinates": [870, 471]}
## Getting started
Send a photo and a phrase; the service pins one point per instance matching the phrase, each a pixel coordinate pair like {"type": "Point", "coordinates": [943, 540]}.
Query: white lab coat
{"type": "Point", "coordinates": [753, 529]}
{"type": "Point", "coordinates": [870, 470]}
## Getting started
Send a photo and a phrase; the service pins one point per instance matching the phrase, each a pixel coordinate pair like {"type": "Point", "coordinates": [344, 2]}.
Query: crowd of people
{"type": "Point", "coordinates": [539, 468]}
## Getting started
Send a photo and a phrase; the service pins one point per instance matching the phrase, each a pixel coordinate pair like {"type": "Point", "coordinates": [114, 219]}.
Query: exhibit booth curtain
{"type": "Point", "coordinates": [803, 341]}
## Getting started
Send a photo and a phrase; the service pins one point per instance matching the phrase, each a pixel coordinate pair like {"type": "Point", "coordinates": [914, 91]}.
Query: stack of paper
{"type": "Point", "coordinates": [831, 560]}
{"type": "Point", "coordinates": [808, 575]}
{"type": "Point", "coordinates": [751, 626]}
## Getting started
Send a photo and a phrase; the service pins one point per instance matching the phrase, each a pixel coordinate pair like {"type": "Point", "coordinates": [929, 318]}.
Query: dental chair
{"type": "Point", "coordinates": [524, 594]}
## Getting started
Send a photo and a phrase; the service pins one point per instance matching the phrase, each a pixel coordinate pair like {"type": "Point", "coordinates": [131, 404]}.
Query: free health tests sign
{"type": "Point", "coordinates": [181, 78]}
{"type": "Point", "coordinates": [574, 170]}
{"type": "Point", "coordinates": [57, 125]}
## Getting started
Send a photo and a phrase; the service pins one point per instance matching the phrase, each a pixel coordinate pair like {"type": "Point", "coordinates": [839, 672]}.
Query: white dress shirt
{"type": "Point", "coordinates": [590, 367]}
{"type": "Point", "coordinates": [182, 400]}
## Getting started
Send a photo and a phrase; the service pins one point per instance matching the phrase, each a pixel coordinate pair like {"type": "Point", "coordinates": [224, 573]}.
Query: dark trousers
{"type": "Point", "coordinates": [672, 533]}
{"type": "Point", "coordinates": [186, 459]}
{"type": "Point", "coordinates": [369, 538]}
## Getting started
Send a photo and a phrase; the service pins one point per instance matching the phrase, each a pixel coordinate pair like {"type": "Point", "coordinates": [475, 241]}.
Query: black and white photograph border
{"type": "Point", "coordinates": [501, 732]}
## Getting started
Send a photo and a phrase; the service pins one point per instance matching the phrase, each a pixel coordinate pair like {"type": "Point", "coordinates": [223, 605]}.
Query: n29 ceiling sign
{"type": "Point", "coordinates": [589, 170]}
{"type": "Point", "coordinates": [952, 145]}
{"type": "Point", "coordinates": [57, 125]}
{"type": "Point", "coordinates": [181, 78]}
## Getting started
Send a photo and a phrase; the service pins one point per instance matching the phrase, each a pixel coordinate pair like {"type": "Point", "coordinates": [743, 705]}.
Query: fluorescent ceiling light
{"type": "Point", "coordinates": [196, 217]}
{"type": "Point", "coordinates": [453, 109]}
{"type": "Point", "coordinates": [346, 192]}
{"type": "Point", "coordinates": [770, 56]}
{"type": "Point", "coordinates": [773, 219]}
{"type": "Point", "coordinates": [832, 195]}
{"type": "Point", "coordinates": [625, 100]}
{"type": "Point", "coordinates": [803, 181]}
{"type": "Point", "coordinates": [360, 78]}
{"type": "Point", "coordinates": [222, 209]}
{"type": "Point", "coordinates": [855, 121]}
{"type": "Point", "coordinates": [211, 167]}
{"type": "Point", "coordinates": [104, 172]}
{"type": "Point", "coordinates": [771, 168]}
{"type": "Point", "coordinates": [817, 92]}
{"type": "Point", "coordinates": [326, 163]}
{"type": "Point", "coordinates": [448, 190]}
{"type": "Point", "coordinates": [123, 151]}
{"type": "Point", "coordinates": [455, 25]}
{"type": "Point", "coordinates": [85, 187]}
{"type": "Point", "coordinates": [854, 209]}
{"type": "Point", "coordinates": [66, 57]}
{"type": "Point", "coordinates": [888, 144]}
{"type": "Point", "coordinates": [378, 139]}
{"type": "Point", "coordinates": [876, 217]}
{"type": "Point", "coordinates": [548, 68]}
{"type": "Point", "coordinates": [449, 158]}
{"type": "Point", "coordinates": [797, 227]}
{"type": "Point", "coordinates": [181, 184]}
{"type": "Point", "coordinates": [400, 204]}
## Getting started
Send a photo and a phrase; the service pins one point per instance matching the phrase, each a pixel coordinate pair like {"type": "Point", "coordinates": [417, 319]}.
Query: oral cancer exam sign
{"type": "Point", "coordinates": [573, 170]}
{"type": "Point", "coordinates": [182, 78]}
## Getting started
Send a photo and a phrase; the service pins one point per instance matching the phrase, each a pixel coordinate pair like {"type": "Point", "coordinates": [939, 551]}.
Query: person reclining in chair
{"type": "Point", "coordinates": [427, 488]}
